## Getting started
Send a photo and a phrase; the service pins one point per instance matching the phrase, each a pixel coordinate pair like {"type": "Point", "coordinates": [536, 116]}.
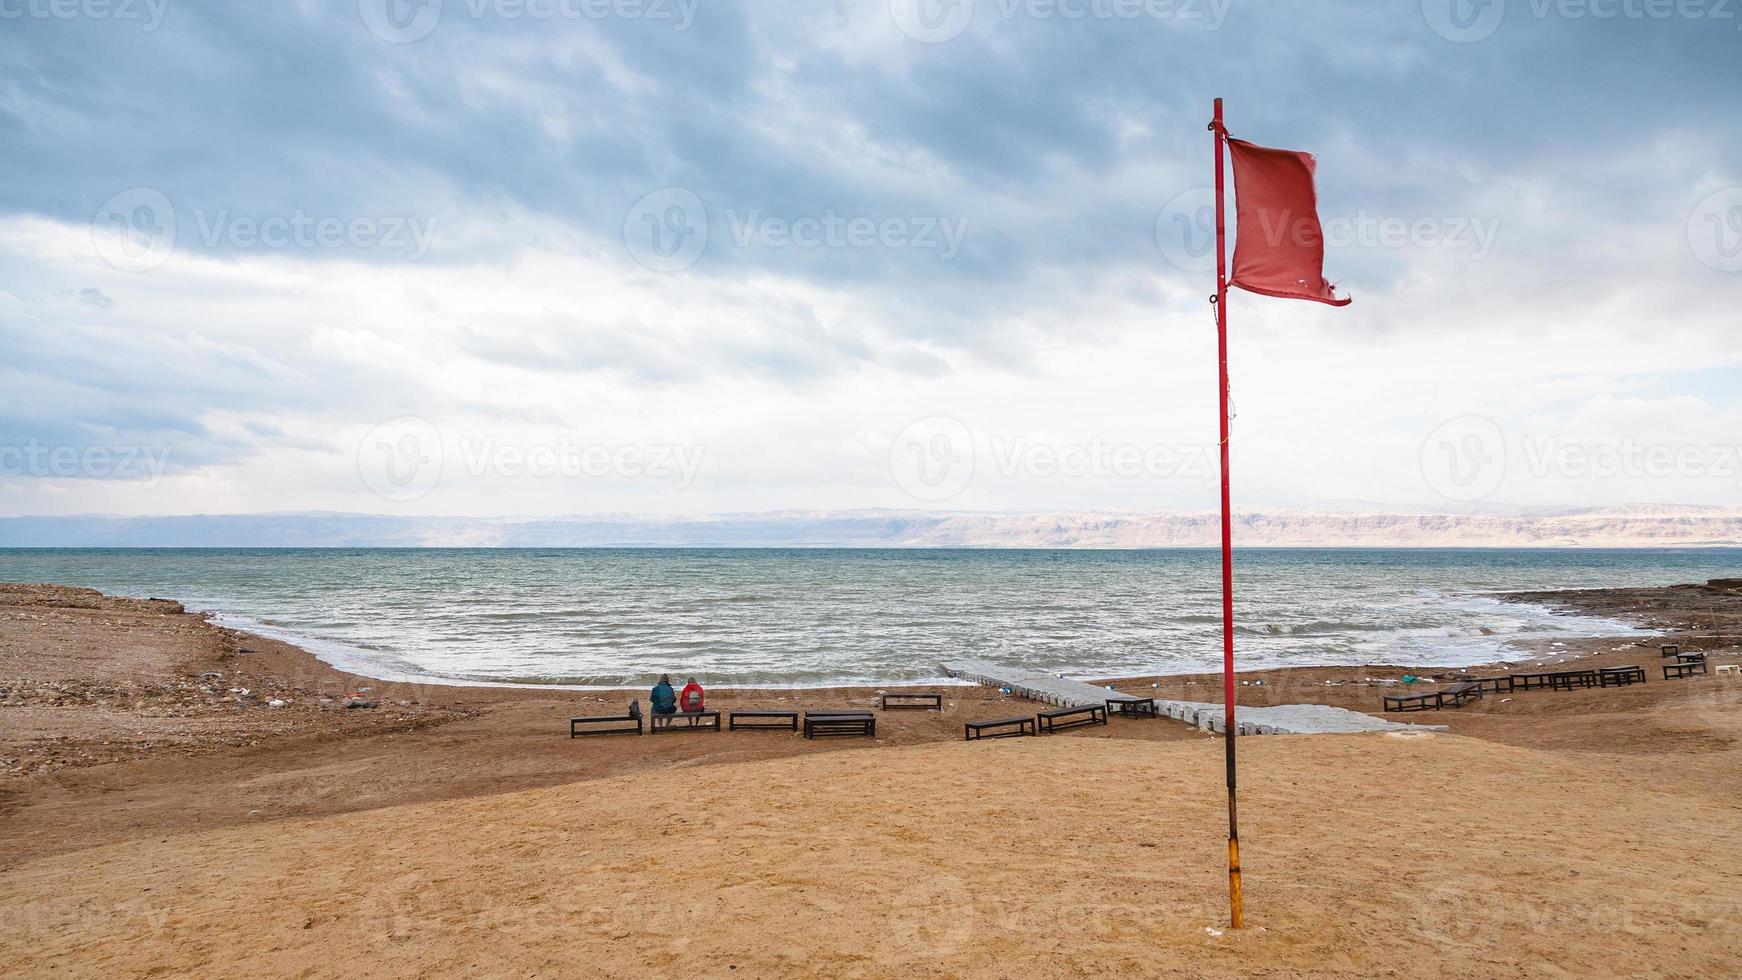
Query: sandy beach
{"type": "Point", "coordinates": [179, 798]}
{"type": "Point", "coordinates": [1289, 440]}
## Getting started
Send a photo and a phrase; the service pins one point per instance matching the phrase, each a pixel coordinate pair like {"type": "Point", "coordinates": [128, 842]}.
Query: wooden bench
{"type": "Point", "coordinates": [1620, 676]}
{"type": "Point", "coordinates": [1528, 682]}
{"type": "Point", "coordinates": [1062, 719]}
{"type": "Point", "coordinates": [764, 720]}
{"type": "Point", "coordinates": [1429, 701]}
{"type": "Point", "coordinates": [820, 724]}
{"type": "Point", "coordinates": [1135, 707]}
{"type": "Point", "coordinates": [1566, 680]}
{"type": "Point", "coordinates": [1555, 680]}
{"type": "Point", "coordinates": [998, 728]}
{"type": "Point", "coordinates": [925, 702]}
{"type": "Point", "coordinates": [1456, 694]}
{"type": "Point", "coordinates": [1682, 668]}
{"type": "Point", "coordinates": [1499, 685]}
{"type": "Point", "coordinates": [1453, 695]}
{"type": "Point", "coordinates": [837, 712]}
{"type": "Point", "coordinates": [631, 719]}
{"type": "Point", "coordinates": [684, 721]}
{"type": "Point", "coordinates": [1670, 650]}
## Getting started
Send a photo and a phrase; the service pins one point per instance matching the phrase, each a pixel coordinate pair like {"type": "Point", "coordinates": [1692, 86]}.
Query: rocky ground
{"type": "Point", "coordinates": [1705, 616]}
{"type": "Point", "coordinates": [88, 679]}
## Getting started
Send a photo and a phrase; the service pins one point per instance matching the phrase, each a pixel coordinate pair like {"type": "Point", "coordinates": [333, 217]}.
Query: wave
{"type": "Point", "coordinates": [804, 620]}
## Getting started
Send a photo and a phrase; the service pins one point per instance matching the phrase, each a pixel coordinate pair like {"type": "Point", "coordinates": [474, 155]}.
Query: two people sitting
{"type": "Point", "coordinates": [669, 702]}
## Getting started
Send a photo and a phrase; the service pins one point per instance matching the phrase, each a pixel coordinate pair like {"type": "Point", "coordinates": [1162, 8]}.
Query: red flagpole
{"type": "Point", "coordinates": [1236, 914]}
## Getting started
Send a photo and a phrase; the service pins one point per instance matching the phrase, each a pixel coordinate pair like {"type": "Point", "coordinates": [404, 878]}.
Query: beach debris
{"type": "Point", "coordinates": [1212, 930]}
{"type": "Point", "coordinates": [361, 703]}
{"type": "Point", "coordinates": [277, 703]}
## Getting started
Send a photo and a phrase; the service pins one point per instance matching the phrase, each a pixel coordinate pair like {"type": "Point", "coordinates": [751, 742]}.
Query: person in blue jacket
{"type": "Point", "coordinates": [663, 697]}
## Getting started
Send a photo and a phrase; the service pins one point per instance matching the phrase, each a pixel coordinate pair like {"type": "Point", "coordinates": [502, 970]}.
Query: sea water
{"type": "Point", "coordinates": [607, 617]}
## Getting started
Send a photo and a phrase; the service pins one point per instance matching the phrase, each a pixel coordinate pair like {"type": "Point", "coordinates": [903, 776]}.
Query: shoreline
{"type": "Point", "coordinates": [565, 627]}
{"type": "Point", "coordinates": [217, 687]}
{"type": "Point", "coordinates": [157, 810]}
{"type": "Point", "coordinates": [351, 659]}
{"type": "Point", "coordinates": [89, 680]}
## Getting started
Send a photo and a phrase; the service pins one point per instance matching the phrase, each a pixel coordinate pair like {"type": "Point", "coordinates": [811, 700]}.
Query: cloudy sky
{"type": "Point", "coordinates": [500, 257]}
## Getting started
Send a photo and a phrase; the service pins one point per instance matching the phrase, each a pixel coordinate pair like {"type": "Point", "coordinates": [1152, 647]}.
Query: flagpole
{"type": "Point", "coordinates": [1236, 914]}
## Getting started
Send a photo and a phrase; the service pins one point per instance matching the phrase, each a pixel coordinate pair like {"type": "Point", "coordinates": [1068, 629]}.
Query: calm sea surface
{"type": "Point", "coordinates": [805, 617]}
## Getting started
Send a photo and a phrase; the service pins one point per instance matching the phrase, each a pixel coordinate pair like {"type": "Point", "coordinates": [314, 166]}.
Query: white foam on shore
{"type": "Point", "coordinates": [1422, 647]}
{"type": "Point", "coordinates": [353, 659]}
{"type": "Point", "coordinates": [1522, 621]}
{"type": "Point", "coordinates": [602, 619]}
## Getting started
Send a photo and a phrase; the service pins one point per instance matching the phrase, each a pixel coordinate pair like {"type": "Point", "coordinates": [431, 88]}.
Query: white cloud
{"type": "Point", "coordinates": [1059, 336]}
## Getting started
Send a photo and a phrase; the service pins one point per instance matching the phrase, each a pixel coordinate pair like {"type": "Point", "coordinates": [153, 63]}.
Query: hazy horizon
{"type": "Point", "coordinates": [1639, 527]}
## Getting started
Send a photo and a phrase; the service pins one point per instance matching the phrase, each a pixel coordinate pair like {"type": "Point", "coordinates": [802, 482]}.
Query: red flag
{"type": "Point", "coordinates": [1280, 247]}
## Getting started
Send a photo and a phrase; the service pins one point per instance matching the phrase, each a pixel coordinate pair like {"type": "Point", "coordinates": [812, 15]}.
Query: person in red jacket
{"type": "Point", "coordinates": [691, 698]}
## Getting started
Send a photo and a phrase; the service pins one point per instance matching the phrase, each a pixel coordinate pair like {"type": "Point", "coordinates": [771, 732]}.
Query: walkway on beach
{"type": "Point", "coordinates": [1287, 719]}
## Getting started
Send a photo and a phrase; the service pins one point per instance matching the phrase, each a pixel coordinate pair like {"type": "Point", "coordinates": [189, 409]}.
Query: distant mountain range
{"type": "Point", "coordinates": [1639, 526]}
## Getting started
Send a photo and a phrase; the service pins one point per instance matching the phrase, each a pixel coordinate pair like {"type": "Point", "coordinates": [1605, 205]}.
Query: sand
{"type": "Point", "coordinates": [1366, 856]}
{"type": "Point", "coordinates": [148, 827]}
{"type": "Point", "coordinates": [175, 732]}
